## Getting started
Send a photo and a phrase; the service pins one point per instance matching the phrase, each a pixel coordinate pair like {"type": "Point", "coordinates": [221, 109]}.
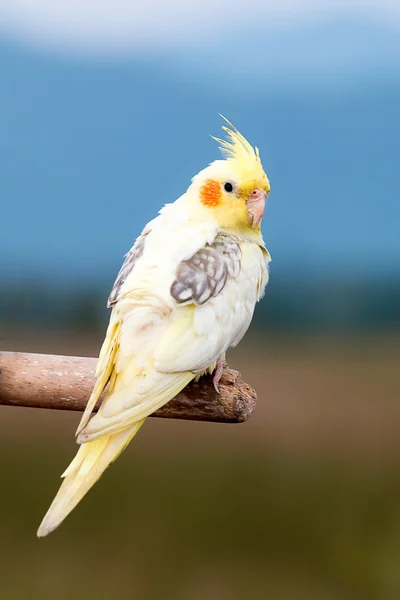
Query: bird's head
{"type": "Point", "coordinates": [233, 190]}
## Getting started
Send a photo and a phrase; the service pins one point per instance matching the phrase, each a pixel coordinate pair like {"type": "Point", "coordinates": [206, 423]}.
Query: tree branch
{"type": "Point", "coordinates": [65, 382]}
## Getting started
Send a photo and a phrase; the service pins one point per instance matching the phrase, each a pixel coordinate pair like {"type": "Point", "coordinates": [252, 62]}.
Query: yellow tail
{"type": "Point", "coordinates": [88, 465]}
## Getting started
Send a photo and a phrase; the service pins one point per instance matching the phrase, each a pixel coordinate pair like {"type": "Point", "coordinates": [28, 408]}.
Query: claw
{"type": "Point", "coordinates": [219, 369]}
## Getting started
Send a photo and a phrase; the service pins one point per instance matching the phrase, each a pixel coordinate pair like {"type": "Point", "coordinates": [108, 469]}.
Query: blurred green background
{"type": "Point", "coordinates": [105, 113]}
{"type": "Point", "coordinates": [302, 501]}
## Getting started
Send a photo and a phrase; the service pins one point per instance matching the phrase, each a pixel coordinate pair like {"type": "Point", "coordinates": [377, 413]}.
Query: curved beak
{"type": "Point", "coordinates": [256, 206]}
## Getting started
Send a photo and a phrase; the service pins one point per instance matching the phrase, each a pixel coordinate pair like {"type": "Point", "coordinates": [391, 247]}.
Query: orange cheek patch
{"type": "Point", "coordinates": [210, 193]}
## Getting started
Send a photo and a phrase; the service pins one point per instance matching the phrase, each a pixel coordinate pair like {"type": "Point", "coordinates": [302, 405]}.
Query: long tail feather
{"type": "Point", "coordinates": [88, 465]}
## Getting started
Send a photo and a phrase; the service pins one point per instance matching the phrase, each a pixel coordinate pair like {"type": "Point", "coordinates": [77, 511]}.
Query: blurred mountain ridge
{"type": "Point", "coordinates": [89, 152]}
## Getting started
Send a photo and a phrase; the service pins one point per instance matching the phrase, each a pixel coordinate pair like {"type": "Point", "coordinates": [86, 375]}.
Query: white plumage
{"type": "Point", "coordinates": [185, 294]}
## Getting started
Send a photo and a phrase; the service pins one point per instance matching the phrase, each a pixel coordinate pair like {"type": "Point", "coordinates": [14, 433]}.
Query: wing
{"type": "Point", "coordinates": [105, 363]}
{"type": "Point", "coordinates": [132, 349]}
{"type": "Point", "coordinates": [134, 254]}
{"type": "Point", "coordinates": [207, 294]}
{"type": "Point", "coordinates": [105, 368]}
{"type": "Point", "coordinates": [135, 388]}
{"type": "Point", "coordinates": [205, 274]}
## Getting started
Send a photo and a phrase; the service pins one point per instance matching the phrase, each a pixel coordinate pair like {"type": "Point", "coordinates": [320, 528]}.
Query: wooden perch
{"type": "Point", "coordinates": [65, 382]}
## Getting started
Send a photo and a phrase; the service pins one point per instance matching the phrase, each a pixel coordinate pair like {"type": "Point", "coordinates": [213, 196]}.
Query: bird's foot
{"type": "Point", "coordinates": [219, 369]}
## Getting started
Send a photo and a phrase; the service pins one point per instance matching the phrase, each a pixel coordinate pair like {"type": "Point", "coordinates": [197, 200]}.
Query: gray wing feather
{"type": "Point", "coordinates": [130, 261]}
{"type": "Point", "coordinates": [205, 274]}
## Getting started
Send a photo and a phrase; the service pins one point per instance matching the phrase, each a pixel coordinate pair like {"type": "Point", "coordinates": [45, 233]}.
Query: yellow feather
{"type": "Point", "coordinates": [90, 462]}
{"type": "Point", "coordinates": [133, 394]}
{"type": "Point", "coordinates": [140, 361]}
{"type": "Point", "coordinates": [104, 369]}
{"type": "Point", "coordinates": [128, 404]}
{"type": "Point", "coordinates": [237, 150]}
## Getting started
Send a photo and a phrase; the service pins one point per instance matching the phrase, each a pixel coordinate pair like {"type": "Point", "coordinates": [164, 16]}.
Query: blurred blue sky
{"type": "Point", "coordinates": [106, 111]}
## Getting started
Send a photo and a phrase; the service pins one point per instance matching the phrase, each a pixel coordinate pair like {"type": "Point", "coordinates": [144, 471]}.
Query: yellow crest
{"type": "Point", "coordinates": [236, 149]}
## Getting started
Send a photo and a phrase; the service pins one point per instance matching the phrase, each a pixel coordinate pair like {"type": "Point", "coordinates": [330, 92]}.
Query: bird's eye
{"type": "Point", "coordinates": [229, 187]}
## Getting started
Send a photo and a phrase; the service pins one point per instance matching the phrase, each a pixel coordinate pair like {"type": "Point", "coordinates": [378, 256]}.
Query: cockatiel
{"type": "Point", "coordinates": [185, 294]}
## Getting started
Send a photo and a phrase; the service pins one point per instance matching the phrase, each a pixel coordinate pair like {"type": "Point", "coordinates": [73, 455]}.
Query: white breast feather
{"type": "Point", "coordinates": [180, 338]}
